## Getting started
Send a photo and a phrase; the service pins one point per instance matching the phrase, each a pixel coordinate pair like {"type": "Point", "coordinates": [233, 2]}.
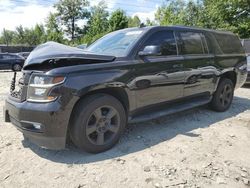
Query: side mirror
{"type": "Point", "coordinates": [150, 51]}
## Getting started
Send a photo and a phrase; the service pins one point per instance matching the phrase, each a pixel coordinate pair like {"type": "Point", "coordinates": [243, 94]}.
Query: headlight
{"type": "Point", "coordinates": [40, 86]}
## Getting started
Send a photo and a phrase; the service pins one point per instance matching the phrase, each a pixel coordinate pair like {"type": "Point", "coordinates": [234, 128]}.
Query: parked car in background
{"type": "Point", "coordinates": [131, 75]}
{"type": "Point", "coordinates": [11, 61]}
{"type": "Point", "coordinates": [24, 54]}
{"type": "Point", "coordinates": [246, 45]}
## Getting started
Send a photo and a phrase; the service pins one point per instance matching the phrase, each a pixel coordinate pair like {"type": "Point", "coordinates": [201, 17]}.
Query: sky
{"type": "Point", "coordinates": [30, 12]}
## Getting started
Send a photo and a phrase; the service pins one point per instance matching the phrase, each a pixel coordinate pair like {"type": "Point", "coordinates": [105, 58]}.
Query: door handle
{"type": "Point", "coordinates": [177, 66]}
{"type": "Point", "coordinates": [163, 74]}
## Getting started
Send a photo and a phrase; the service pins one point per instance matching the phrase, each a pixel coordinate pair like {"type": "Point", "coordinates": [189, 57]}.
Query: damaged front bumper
{"type": "Point", "coordinates": [43, 124]}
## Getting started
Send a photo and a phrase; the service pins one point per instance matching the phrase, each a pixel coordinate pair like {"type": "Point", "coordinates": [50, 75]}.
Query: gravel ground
{"type": "Point", "coordinates": [195, 148]}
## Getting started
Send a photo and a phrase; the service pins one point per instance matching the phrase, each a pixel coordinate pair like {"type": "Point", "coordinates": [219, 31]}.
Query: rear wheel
{"type": "Point", "coordinates": [223, 96]}
{"type": "Point", "coordinates": [98, 123]}
{"type": "Point", "coordinates": [17, 67]}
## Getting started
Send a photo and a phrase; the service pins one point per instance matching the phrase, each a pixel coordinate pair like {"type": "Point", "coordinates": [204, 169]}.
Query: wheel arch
{"type": "Point", "coordinates": [117, 92]}
{"type": "Point", "coordinates": [230, 75]}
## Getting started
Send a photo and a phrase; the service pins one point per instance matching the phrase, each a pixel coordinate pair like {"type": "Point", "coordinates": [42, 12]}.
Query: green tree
{"type": "Point", "coordinates": [97, 25]}
{"type": "Point", "coordinates": [172, 13]}
{"type": "Point", "coordinates": [134, 21]}
{"type": "Point", "coordinates": [149, 22]}
{"type": "Point", "coordinates": [19, 35]}
{"type": "Point", "coordinates": [8, 36]}
{"type": "Point", "coordinates": [69, 12]}
{"type": "Point", "coordinates": [194, 14]}
{"type": "Point", "coordinates": [118, 20]}
{"type": "Point", "coordinates": [53, 31]}
{"type": "Point", "coordinates": [35, 36]}
{"type": "Point", "coordinates": [231, 15]}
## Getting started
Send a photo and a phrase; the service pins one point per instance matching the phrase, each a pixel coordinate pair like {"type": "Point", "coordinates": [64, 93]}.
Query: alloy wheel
{"type": "Point", "coordinates": [102, 125]}
{"type": "Point", "coordinates": [226, 95]}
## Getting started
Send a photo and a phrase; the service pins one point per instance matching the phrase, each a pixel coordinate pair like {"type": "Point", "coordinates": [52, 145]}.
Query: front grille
{"type": "Point", "coordinates": [19, 86]}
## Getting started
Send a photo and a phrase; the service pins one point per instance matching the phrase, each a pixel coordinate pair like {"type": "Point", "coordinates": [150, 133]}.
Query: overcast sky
{"type": "Point", "coordinates": [30, 12]}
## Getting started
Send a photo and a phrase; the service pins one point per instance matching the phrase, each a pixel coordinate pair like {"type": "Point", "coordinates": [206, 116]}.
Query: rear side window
{"type": "Point", "coordinates": [166, 41]}
{"type": "Point", "coordinates": [193, 43]}
{"type": "Point", "coordinates": [229, 44]}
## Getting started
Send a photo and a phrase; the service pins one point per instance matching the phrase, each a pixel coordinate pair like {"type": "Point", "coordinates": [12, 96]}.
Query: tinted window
{"type": "Point", "coordinates": [116, 43]}
{"type": "Point", "coordinates": [164, 39]}
{"type": "Point", "coordinates": [192, 43]}
{"type": "Point", "coordinates": [229, 43]}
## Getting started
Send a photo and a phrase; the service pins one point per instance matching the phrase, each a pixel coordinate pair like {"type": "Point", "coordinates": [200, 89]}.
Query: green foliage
{"type": "Point", "coordinates": [231, 15]}
{"type": "Point", "coordinates": [69, 12]}
{"type": "Point", "coordinates": [118, 20]}
{"type": "Point", "coordinates": [150, 23]}
{"type": "Point", "coordinates": [8, 36]}
{"type": "Point", "coordinates": [98, 23]}
{"type": "Point", "coordinates": [53, 31]}
{"type": "Point", "coordinates": [172, 13]}
{"type": "Point", "coordinates": [134, 21]}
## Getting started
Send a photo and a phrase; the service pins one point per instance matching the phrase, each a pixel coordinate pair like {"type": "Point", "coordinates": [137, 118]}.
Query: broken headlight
{"type": "Point", "coordinates": [40, 86]}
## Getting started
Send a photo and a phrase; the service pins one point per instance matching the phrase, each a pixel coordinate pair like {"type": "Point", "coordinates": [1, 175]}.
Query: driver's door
{"type": "Point", "coordinates": [159, 78]}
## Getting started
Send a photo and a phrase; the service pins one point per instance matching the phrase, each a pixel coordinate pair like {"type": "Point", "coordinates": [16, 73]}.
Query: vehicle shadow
{"type": "Point", "coordinates": [145, 135]}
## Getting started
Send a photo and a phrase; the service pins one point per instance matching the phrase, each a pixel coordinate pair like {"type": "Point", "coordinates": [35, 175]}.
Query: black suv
{"type": "Point", "coordinates": [11, 61]}
{"type": "Point", "coordinates": [131, 75]}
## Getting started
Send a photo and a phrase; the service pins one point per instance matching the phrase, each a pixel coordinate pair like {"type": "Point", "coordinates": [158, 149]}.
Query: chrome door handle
{"type": "Point", "coordinates": [177, 66]}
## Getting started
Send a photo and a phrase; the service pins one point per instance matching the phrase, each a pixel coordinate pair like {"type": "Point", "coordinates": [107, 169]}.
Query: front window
{"type": "Point", "coordinates": [116, 44]}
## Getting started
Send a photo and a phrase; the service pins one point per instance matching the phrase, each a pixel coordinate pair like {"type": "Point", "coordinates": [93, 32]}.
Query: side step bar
{"type": "Point", "coordinates": [171, 109]}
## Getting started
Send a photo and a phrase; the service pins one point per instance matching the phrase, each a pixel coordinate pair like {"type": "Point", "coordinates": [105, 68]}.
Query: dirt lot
{"type": "Point", "coordinates": [196, 148]}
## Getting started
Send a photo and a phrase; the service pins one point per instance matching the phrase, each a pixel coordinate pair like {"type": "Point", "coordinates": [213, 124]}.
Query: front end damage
{"type": "Point", "coordinates": [40, 105]}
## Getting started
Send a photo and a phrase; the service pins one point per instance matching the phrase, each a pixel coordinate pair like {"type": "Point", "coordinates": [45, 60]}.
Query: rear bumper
{"type": "Point", "coordinates": [43, 124]}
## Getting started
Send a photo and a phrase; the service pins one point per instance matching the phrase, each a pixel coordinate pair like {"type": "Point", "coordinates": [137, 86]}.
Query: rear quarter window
{"type": "Point", "coordinates": [229, 43]}
{"type": "Point", "coordinates": [193, 43]}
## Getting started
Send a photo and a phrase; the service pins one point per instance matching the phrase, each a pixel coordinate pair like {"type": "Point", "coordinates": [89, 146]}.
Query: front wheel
{"type": "Point", "coordinates": [223, 96]}
{"type": "Point", "coordinates": [98, 123]}
{"type": "Point", "coordinates": [17, 67]}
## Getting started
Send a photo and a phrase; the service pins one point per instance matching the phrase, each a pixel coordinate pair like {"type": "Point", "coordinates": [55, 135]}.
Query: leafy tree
{"type": "Point", "coordinates": [149, 22]}
{"type": "Point", "coordinates": [8, 36]}
{"type": "Point", "coordinates": [53, 31]}
{"type": "Point", "coordinates": [172, 13]}
{"type": "Point", "coordinates": [35, 36]}
{"type": "Point", "coordinates": [118, 20]}
{"type": "Point", "coordinates": [20, 35]}
{"type": "Point", "coordinates": [69, 12]}
{"type": "Point", "coordinates": [194, 14]}
{"type": "Point", "coordinates": [97, 25]}
{"type": "Point", "coordinates": [134, 21]}
{"type": "Point", "coordinates": [231, 15]}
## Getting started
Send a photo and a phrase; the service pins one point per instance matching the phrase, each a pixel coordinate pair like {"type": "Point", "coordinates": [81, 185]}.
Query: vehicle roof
{"type": "Point", "coordinates": [177, 27]}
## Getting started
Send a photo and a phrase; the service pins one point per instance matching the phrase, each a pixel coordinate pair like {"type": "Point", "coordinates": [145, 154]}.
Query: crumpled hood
{"type": "Point", "coordinates": [56, 51]}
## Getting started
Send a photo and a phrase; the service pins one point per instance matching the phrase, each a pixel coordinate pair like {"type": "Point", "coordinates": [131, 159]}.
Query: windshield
{"type": "Point", "coordinates": [115, 44]}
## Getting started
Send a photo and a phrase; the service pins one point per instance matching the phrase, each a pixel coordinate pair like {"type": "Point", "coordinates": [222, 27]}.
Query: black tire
{"type": "Point", "coordinates": [98, 123]}
{"type": "Point", "coordinates": [16, 67]}
{"type": "Point", "coordinates": [223, 96]}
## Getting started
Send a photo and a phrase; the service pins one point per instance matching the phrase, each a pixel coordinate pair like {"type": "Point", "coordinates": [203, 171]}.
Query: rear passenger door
{"type": "Point", "coordinates": [200, 72]}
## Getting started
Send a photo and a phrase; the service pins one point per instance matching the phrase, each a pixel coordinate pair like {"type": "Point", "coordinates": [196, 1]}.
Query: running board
{"type": "Point", "coordinates": [170, 109]}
